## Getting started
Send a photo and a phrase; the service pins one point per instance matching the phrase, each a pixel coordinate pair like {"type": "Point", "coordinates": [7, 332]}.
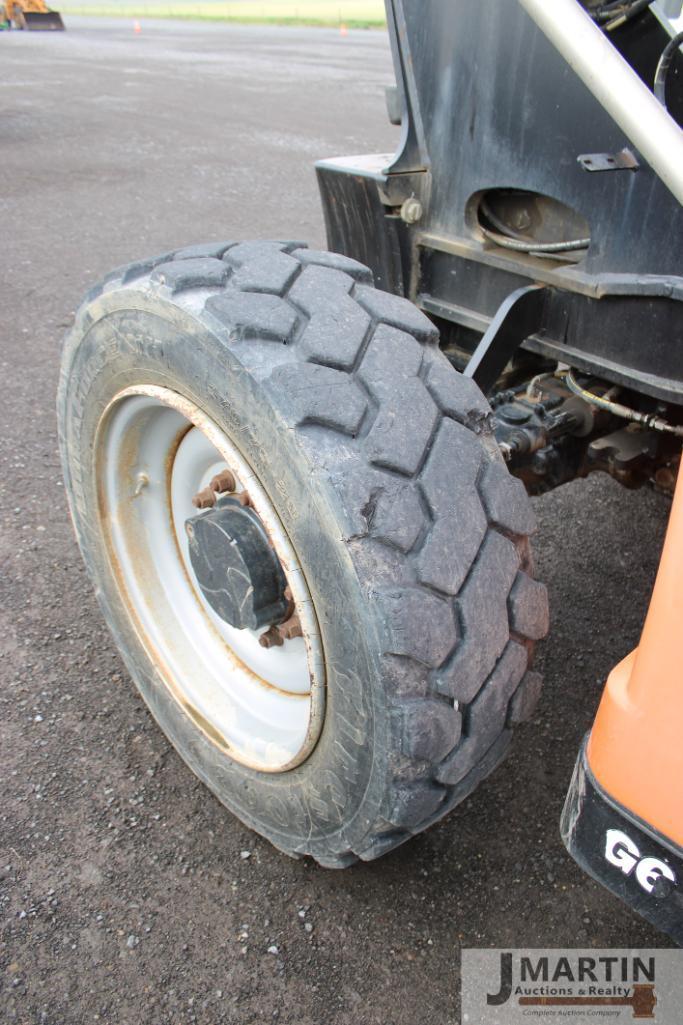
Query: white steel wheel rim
{"type": "Point", "coordinates": [153, 452]}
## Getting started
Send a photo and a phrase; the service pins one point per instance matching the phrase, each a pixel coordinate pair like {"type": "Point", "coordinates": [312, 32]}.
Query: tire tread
{"type": "Point", "coordinates": [365, 365]}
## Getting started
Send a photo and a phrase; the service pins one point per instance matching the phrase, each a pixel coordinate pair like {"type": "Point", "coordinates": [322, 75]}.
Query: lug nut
{"type": "Point", "coordinates": [289, 598]}
{"type": "Point", "coordinates": [223, 482]}
{"type": "Point", "coordinates": [243, 498]}
{"type": "Point", "coordinates": [290, 629]}
{"type": "Point", "coordinates": [204, 499]}
{"type": "Point", "coordinates": [271, 638]}
{"type": "Point", "coordinates": [277, 635]}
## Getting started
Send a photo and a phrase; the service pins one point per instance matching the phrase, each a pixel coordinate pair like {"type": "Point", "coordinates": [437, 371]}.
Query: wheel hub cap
{"type": "Point", "coordinates": [236, 567]}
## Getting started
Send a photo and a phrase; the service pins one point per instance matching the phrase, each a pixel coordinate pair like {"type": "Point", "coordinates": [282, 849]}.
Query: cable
{"type": "Point", "coordinates": [508, 238]}
{"type": "Point", "coordinates": [618, 12]}
{"type": "Point", "coordinates": [535, 247]}
{"type": "Point", "coordinates": [663, 66]}
{"type": "Point", "coordinates": [498, 223]}
{"type": "Point", "coordinates": [608, 9]}
{"type": "Point", "coordinates": [648, 419]}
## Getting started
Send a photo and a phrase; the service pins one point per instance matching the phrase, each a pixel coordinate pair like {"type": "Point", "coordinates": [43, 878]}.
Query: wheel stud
{"type": "Point", "coordinates": [141, 482]}
{"type": "Point", "coordinates": [204, 499]}
{"type": "Point", "coordinates": [243, 498]}
{"type": "Point", "coordinates": [224, 482]}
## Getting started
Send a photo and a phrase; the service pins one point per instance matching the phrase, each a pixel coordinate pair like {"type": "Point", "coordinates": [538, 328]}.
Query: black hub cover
{"type": "Point", "coordinates": [237, 570]}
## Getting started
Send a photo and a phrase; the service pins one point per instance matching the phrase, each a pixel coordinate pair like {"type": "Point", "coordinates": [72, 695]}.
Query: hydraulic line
{"type": "Point", "coordinates": [506, 237]}
{"type": "Point", "coordinates": [618, 7]}
{"type": "Point", "coordinates": [663, 66]}
{"type": "Point", "coordinates": [629, 11]}
{"type": "Point", "coordinates": [656, 423]}
{"type": "Point", "coordinates": [535, 247]}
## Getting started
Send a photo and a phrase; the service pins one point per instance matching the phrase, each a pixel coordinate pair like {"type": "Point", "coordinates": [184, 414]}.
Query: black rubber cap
{"type": "Point", "coordinates": [237, 570]}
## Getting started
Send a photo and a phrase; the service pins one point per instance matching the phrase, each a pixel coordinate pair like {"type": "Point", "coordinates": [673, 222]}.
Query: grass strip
{"type": "Point", "coordinates": [237, 19]}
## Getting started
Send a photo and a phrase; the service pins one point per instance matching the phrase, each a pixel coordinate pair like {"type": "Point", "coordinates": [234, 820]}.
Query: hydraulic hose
{"type": "Point", "coordinates": [663, 66]}
{"type": "Point", "coordinates": [656, 423]}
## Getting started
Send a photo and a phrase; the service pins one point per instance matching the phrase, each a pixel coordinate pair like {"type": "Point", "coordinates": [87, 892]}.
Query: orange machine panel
{"type": "Point", "coordinates": [635, 749]}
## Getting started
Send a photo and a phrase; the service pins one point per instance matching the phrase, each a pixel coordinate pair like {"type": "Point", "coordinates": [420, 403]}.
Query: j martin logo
{"type": "Point", "coordinates": [601, 981]}
{"type": "Point", "coordinates": [501, 986]}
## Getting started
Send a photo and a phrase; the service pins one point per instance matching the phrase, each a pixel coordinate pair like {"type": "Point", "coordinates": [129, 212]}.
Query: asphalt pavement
{"type": "Point", "coordinates": [128, 894]}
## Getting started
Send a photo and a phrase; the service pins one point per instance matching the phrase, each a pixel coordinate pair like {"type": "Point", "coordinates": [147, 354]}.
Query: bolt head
{"type": "Point", "coordinates": [411, 211]}
{"type": "Point", "coordinates": [290, 629]}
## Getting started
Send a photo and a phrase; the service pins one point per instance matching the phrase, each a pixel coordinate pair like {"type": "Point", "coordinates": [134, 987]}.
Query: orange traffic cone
{"type": "Point", "coordinates": [136, 27]}
{"type": "Point", "coordinates": [343, 31]}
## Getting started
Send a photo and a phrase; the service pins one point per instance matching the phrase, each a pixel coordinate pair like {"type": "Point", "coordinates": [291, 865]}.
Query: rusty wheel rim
{"type": "Point", "coordinates": [154, 451]}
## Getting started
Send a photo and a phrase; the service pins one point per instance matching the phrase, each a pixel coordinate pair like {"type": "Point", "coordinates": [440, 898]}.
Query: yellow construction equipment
{"type": "Point", "coordinates": [33, 15]}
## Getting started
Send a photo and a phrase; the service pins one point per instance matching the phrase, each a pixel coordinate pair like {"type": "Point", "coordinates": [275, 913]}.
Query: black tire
{"type": "Point", "coordinates": [412, 534]}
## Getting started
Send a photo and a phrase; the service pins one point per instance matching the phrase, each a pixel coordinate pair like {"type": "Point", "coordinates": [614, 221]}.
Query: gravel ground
{"type": "Point", "coordinates": [128, 893]}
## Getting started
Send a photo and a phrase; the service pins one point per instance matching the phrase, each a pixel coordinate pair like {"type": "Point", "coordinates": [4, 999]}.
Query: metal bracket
{"type": "Point", "coordinates": [517, 317]}
{"type": "Point", "coordinates": [624, 160]}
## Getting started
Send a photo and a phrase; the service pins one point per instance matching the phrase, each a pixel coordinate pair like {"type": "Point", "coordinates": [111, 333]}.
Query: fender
{"type": "Point", "coordinates": [623, 852]}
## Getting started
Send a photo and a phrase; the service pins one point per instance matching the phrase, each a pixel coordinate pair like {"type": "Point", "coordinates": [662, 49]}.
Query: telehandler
{"type": "Point", "coordinates": [300, 478]}
{"type": "Point", "coordinates": [33, 15]}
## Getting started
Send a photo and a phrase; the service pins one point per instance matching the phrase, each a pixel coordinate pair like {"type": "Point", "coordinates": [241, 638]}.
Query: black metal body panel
{"type": "Point", "coordinates": [490, 104]}
{"type": "Point", "coordinates": [519, 316]}
{"type": "Point", "coordinates": [622, 852]}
